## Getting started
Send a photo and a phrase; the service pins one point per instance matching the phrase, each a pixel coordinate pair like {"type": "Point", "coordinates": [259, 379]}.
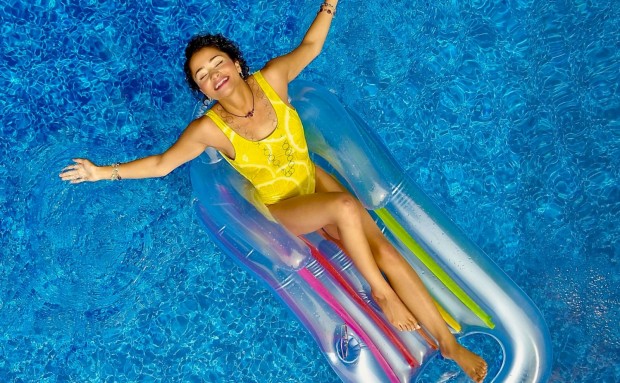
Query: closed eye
{"type": "Point", "coordinates": [205, 72]}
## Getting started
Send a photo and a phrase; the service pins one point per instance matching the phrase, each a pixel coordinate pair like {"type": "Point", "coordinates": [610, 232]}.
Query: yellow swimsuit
{"type": "Point", "coordinates": [279, 165]}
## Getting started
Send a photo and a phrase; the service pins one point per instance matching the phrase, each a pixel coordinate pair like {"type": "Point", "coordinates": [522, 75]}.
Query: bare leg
{"type": "Point", "coordinates": [308, 213]}
{"type": "Point", "coordinates": [409, 287]}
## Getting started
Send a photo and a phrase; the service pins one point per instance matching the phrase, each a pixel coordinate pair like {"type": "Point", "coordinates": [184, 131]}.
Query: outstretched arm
{"type": "Point", "coordinates": [284, 69]}
{"type": "Point", "coordinates": [192, 142]}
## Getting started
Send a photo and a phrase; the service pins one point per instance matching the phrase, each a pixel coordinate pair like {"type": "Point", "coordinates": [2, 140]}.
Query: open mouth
{"type": "Point", "coordinates": [221, 83]}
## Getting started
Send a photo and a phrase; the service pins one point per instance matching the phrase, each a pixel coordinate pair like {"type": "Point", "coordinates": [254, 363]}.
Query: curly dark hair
{"type": "Point", "coordinates": [219, 42]}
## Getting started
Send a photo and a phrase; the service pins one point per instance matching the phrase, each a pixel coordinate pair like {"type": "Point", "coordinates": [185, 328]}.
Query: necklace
{"type": "Point", "coordinates": [248, 114]}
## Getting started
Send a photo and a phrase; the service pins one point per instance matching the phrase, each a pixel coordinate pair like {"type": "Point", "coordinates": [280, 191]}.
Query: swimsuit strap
{"type": "Point", "coordinates": [271, 94]}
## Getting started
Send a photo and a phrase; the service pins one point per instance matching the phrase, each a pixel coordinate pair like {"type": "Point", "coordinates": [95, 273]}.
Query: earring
{"type": "Point", "coordinates": [206, 101]}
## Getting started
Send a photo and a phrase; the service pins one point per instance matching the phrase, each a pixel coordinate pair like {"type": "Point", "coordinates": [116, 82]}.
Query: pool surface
{"type": "Point", "coordinates": [506, 113]}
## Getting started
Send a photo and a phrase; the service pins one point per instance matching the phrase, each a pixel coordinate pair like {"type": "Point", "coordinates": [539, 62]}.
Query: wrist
{"type": "Point", "coordinates": [107, 173]}
{"type": "Point", "coordinates": [328, 7]}
{"type": "Point", "coordinates": [102, 173]}
{"type": "Point", "coordinates": [115, 176]}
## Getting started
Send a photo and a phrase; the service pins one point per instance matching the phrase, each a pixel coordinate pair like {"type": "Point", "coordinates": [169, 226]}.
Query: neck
{"type": "Point", "coordinates": [240, 102]}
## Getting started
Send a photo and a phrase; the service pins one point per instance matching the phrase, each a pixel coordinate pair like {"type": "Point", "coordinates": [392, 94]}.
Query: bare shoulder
{"type": "Point", "coordinates": [200, 127]}
{"type": "Point", "coordinates": [276, 77]}
{"type": "Point", "coordinates": [205, 131]}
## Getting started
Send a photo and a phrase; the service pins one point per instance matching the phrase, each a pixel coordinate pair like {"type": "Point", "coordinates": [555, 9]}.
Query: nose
{"type": "Point", "coordinates": [215, 74]}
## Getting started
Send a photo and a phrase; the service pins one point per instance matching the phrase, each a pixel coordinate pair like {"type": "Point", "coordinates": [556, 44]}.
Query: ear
{"type": "Point", "coordinates": [238, 66]}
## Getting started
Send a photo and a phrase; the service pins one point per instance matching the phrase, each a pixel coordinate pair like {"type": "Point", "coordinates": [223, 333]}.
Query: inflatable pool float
{"type": "Point", "coordinates": [319, 283]}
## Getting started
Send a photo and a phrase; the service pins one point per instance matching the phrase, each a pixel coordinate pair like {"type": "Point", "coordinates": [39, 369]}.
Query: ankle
{"type": "Point", "coordinates": [382, 294]}
{"type": "Point", "coordinates": [448, 348]}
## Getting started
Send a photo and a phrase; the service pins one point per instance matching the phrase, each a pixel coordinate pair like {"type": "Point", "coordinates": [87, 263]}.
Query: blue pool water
{"type": "Point", "coordinates": [506, 112]}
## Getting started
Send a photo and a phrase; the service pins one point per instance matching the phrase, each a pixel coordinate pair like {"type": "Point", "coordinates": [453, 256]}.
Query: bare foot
{"type": "Point", "coordinates": [473, 365]}
{"type": "Point", "coordinates": [396, 311]}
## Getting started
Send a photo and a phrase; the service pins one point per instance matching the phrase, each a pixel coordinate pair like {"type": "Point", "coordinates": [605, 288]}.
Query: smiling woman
{"type": "Point", "coordinates": [261, 135]}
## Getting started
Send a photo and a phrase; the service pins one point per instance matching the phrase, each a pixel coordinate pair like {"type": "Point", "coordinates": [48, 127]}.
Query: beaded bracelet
{"type": "Point", "coordinates": [325, 8]}
{"type": "Point", "coordinates": [115, 176]}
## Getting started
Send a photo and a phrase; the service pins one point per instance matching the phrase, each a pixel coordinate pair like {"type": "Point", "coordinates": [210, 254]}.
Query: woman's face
{"type": "Point", "coordinates": [215, 73]}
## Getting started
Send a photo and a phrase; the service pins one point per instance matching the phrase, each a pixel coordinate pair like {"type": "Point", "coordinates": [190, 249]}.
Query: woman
{"type": "Point", "coordinates": [260, 134]}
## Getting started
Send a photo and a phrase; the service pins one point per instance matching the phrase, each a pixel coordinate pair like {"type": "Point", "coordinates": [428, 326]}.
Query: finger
{"type": "Point", "coordinates": [66, 176]}
{"type": "Point", "coordinates": [71, 175]}
{"type": "Point", "coordinates": [73, 167]}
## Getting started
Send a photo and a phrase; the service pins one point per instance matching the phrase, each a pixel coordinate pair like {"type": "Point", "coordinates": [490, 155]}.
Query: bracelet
{"type": "Point", "coordinates": [325, 7]}
{"type": "Point", "coordinates": [115, 176]}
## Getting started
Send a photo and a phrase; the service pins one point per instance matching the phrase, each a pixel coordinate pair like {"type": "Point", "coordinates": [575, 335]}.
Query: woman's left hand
{"type": "Point", "coordinates": [82, 170]}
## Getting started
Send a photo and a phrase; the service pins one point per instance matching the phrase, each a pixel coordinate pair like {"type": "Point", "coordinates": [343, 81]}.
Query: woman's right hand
{"type": "Point", "coordinates": [82, 170]}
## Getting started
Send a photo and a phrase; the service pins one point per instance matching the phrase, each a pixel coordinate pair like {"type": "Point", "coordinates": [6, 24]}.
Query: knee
{"type": "Point", "coordinates": [347, 208]}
